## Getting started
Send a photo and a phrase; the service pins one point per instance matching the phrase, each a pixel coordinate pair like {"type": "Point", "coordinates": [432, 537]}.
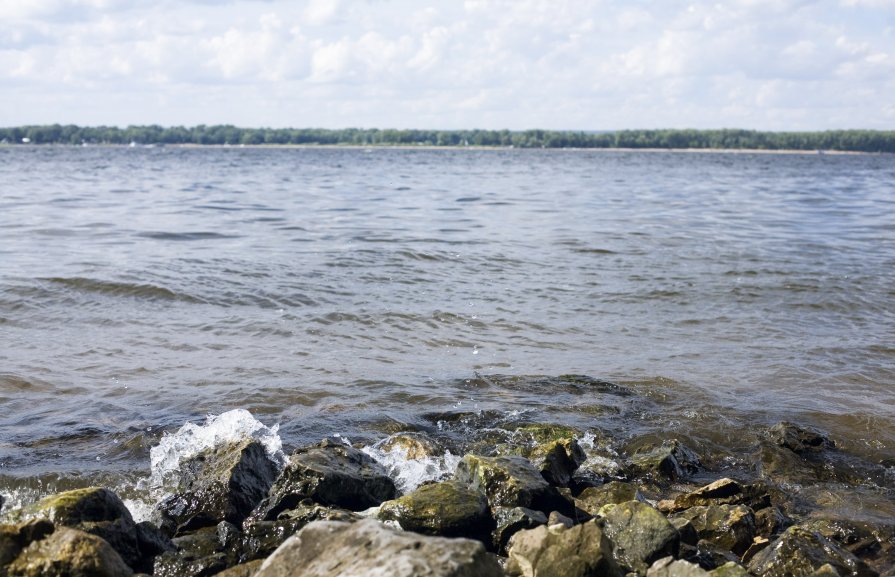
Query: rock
{"type": "Point", "coordinates": [729, 526]}
{"type": "Point", "coordinates": [97, 511]}
{"type": "Point", "coordinates": [247, 569]}
{"type": "Point", "coordinates": [799, 552]}
{"type": "Point", "coordinates": [593, 500]}
{"type": "Point", "coordinates": [668, 567]}
{"type": "Point", "coordinates": [447, 509]}
{"type": "Point", "coordinates": [510, 482]}
{"type": "Point", "coordinates": [872, 542]}
{"type": "Point", "coordinates": [759, 543]}
{"type": "Point", "coordinates": [220, 484]}
{"type": "Point", "coordinates": [15, 538]}
{"type": "Point", "coordinates": [797, 439]}
{"type": "Point", "coordinates": [640, 535]}
{"type": "Point", "coordinates": [369, 549]}
{"type": "Point", "coordinates": [730, 569]}
{"type": "Point", "coordinates": [261, 538]}
{"type": "Point", "coordinates": [720, 492]}
{"type": "Point", "coordinates": [557, 460]}
{"type": "Point", "coordinates": [825, 570]}
{"type": "Point", "coordinates": [557, 518]}
{"type": "Point", "coordinates": [69, 553]}
{"type": "Point", "coordinates": [151, 542]}
{"type": "Point", "coordinates": [685, 529]}
{"type": "Point", "coordinates": [670, 461]}
{"type": "Point", "coordinates": [771, 521]}
{"type": "Point", "coordinates": [2, 501]}
{"type": "Point", "coordinates": [511, 520]}
{"type": "Point", "coordinates": [332, 474]}
{"type": "Point", "coordinates": [204, 551]}
{"type": "Point", "coordinates": [580, 551]}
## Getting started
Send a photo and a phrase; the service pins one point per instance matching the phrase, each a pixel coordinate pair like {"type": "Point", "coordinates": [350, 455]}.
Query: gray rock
{"type": "Point", "coordinates": [447, 509]}
{"type": "Point", "coordinates": [511, 520]}
{"type": "Point", "coordinates": [799, 552]}
{"type": "Point", "coordinates": [369, 549]}
{"type": "Point", "coordinates": [261, 538]}
{"type": "Point", "coordinates": [580, 551]}
{"type": "Point", "coordinates": [204, 551]}
{"type": "Point", "coordinates": [797, 439]}
{"type": "Point", "coordinates": [640, 535]}
{"type": "Point", "coordinates": [69, 553]}
{"type": "Point", "coordinates": [510, 482]}
{"type": "Point", "coordinates": [668, 567]}
{"type": "Point", "coordinates": [332, 474]}
{"type": "Point", "coordinates": [221, 484]}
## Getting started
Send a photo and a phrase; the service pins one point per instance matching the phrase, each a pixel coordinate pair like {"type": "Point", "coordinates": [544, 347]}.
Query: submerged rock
{"type": "Point", "coordinates": [797, 439]}
{"type": "Point", "coordinates": [369, 549]}
{"type": "Point", "coordinates": [69, 553]}
{"type": "Point", "coordinates": [330, 473]}
{"type": "Point", "coordinates": [510, 482]}
{"type": "Point", "coordinates": [447, 509]}
{"type": "Point", "coordinates": [670, 461]}
{"type": "Point", "coordinates": [640, 535]}
{"type": "Point", "coordinates": [580, 551]}
{"type": "Point", "coordinates": [220, 484]}
{"type": "Point", "coordinates": [800, 552]}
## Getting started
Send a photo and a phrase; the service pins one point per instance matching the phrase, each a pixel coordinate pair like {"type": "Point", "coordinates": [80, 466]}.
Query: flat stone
{"type": "Point", "coordinates": [369, 549]}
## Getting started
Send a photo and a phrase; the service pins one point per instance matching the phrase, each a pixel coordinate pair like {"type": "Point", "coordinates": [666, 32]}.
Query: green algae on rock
{"type": "Point", "coordinates": [640, 535]}
{"type": "Point", "coordinates": [447, 509]}
{"type": "Point", "coordinates": [510, 482]}
{"type": "Point", "coordinates": [69, 553]}
{"type": "Point", "coordinates": [580, 551]}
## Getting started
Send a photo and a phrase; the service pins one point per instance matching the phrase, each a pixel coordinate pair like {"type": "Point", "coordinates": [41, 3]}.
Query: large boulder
{"type": "Point", "coordinates": [731, 527]}
{"type": "Point", "coordinates": [69, 553]}
{"type": "Point", "coordinates": [447, 509]}
{"type": "Point", "coordinates": [332, 474]}
{"type": "Point", "coordinates": [579, 551]}
{"type": "Point", "coordinates": [223, 483]}
{"type": "Point", "coordinates": [369, 549]}
{"type": "Point", "coordinates": [510, 482]}
{"type": "Point", "coordinates": [799, 552]}
{"type": "Point", "coordinates": [97, 511]}
{"type": "Point", "coordinates": [640, 535]}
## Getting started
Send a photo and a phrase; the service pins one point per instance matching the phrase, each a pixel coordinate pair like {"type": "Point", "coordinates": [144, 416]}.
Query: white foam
{"type": "Point", "coordinates": [408, 474]}
{"type": "Point", "coordinates": [191, 439]}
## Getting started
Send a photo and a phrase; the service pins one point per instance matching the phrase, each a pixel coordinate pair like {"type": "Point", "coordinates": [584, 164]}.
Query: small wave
{"type": "Point", "coordinates": [115, 288]}
{"type": "Point", "coordinates": [186, 236]}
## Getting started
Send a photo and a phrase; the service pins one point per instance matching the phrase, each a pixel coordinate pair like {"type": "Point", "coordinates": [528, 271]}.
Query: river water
{"type": "Point", "coordinates": [359, 291]}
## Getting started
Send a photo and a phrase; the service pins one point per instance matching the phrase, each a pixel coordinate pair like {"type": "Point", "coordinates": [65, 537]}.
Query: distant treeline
{"type": "Point", "coordinates": [843, 140]}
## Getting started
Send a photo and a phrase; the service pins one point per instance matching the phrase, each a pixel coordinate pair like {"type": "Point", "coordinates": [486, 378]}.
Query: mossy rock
{"type": "Point", "coordinates": [669, 461]}
{"type": "Point", "coordinates": [447, 509]}
{"type": "Point", "coordinates": [731, 527]}
{"type": "Point", "coordinates": [69, 553]}
{"type": "Point", "coordinates": [540, 433]}
{"type": "Point", "coordinates": [15, 538]}
{"type": "Point", "coordinates": [593, 500]}
{"type": "Point", "coordinates": [640, 535]}
{"type": "Point", "coordinates": [799, 552]}
{"type": "Point", "coordinates": [510, 520]}
{"type": "Point", "coordinates": [224, 483]}
{"type": "Point", "coordinates": [332, 474]}
{"type": "Point", "coordinates": [510, 481]}
{"type": "Point", "coordinates": [729, 569]}
{"type": "Point", "coordinates": [97, 511]}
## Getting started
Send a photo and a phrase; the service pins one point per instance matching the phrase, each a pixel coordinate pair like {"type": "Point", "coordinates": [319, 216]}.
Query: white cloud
{"type": "Point", "coordinates": [490, 63]}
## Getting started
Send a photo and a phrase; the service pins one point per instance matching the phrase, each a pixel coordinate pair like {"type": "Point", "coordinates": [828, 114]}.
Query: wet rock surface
{"type": "Point", "coordinates": [545, 498]}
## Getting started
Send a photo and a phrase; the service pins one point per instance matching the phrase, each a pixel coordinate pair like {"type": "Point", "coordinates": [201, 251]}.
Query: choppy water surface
{"type": "Point", "coordinates": [354, 292]}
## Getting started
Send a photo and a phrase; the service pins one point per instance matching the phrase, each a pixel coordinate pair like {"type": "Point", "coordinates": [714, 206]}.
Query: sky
{"type": "Point", "coordinates": [450, 64]}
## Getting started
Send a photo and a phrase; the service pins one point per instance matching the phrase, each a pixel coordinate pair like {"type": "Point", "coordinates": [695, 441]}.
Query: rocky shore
{"type": "Point", "coordinates": [528, 499]}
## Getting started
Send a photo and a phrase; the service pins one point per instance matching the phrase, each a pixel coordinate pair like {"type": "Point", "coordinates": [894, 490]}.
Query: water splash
{"type": "Point", "coordinates": [191, 439]}
{"type": "Point", "coordinates": [409, 473]}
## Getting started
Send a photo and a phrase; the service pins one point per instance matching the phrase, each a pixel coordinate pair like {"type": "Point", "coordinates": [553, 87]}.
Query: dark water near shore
{"type": "Point", "coordinates": [345, 291]}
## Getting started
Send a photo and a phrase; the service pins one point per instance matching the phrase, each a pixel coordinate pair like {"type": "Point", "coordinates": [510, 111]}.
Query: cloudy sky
{"type": "Point", "coordinates": [556, 64]}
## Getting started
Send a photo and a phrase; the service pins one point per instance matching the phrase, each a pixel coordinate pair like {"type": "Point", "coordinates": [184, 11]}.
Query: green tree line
{"type": "Point", "coordinates": [840, 140]}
